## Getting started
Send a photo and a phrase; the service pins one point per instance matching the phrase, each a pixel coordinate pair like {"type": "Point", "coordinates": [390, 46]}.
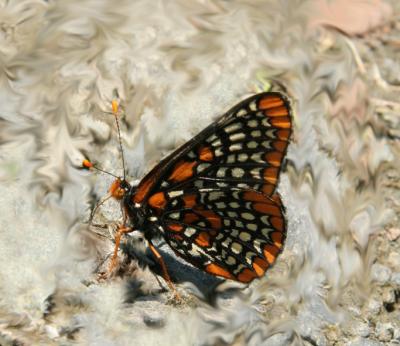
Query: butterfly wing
{"type": "Point", "coordinates": [244, 148]}
{"type": "Point", "coordinates": [214, 199]}
{"type": "Point", "coordinates": [233, 233]}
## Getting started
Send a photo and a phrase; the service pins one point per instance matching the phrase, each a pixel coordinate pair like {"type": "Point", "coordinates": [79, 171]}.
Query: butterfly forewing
{"type": "Point", "coordinates": [244, 148]}
{"type": "Point", "coordinates": [215, 198]}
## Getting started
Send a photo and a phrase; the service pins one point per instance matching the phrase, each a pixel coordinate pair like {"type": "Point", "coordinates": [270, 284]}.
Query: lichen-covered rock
{"type": "Point", "coordinates": [380, 273]}
{"type": "Point", "coordinates": [384, 331]}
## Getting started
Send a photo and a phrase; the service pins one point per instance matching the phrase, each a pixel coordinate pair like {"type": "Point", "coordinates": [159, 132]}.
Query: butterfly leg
{"type": "Point", "coordinates": [121, 231]}
{"type": "Point", "coordinates": [165, 274]}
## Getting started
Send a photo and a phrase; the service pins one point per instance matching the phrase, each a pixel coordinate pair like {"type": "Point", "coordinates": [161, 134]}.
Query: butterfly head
{"type": "Point", "coordinates": [119, 188]}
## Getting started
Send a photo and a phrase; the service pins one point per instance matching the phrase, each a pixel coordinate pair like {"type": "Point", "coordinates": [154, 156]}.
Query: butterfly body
{"type": "Point", "coordinates": [213, 200]}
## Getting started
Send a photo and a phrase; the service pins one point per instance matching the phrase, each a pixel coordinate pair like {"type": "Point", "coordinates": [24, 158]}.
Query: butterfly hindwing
{"type": "Point", "coordinates": [244, 148]}
{"type": "Point", "coordinates": [233, 233]}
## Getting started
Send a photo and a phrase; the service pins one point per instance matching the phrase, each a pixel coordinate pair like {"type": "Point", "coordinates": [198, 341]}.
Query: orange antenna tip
{"type": "Point", "coordinates": [114, 106]}
{"type": "Point", "coordinates": [87, 164]}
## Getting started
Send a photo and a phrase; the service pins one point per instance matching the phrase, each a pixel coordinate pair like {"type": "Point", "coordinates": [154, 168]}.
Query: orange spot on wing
{"type": "Point", "coordinates": [283, 134]}
{"type": "Point", "coordinates": [260, 266]}
{"type": "Point", "coordinates": [206, 154]}
{"type": "Point", "coordinates": [277, 237]}
{"type": "Point", "coordinates": [281, 122]}
{"type": "Point", "coordinates": [270, 102]}
{"type": "Point", "coordinates": [189, 200]}
{"type": "Point", "coordinates": [277, 223]}
{"type": "Point", "coordinates": [267, 208]}
{"type": "Point", "coordinates": [142, 190]}
{"type": "Point", "coordinates": [253, 196]}
{"type": "Point", "coordinates": [280, 145]}
{"type": "Point", "coordinates": [270, 253]}
{"type": "Point", "coordinates": [271, 175]}
{"type": "Point", "coordinates": [274, 158]}
{"type": "Point", "coordinates": [277, 199]}
{"type": "Point", "coordinates": [246, 275]}
{"type": "Point", "coordinates": [158, 200]}
{"type": "Point", "coordinates": [277, 111]}
{"type": "Point", "coordinates": [182, 171]}
{"type": "Point", "coordinates": [211, 217]}
{"type": "Point", "coordinates": [175, 227]}
{"type": "Point", "coordinates": [203, 239]}
{"type": "Point", "coordinates": [268, 189]}
{"type": "Point", "coordinates": [190, 218]}
{"type": "Point", "coordinates": [217, 270]}
{"type": "Point", "coordinates": [177, 237]}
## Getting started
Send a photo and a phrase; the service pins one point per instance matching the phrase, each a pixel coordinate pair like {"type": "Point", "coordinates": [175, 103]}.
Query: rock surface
{"type": "Point", "coordinates": [176, 67]}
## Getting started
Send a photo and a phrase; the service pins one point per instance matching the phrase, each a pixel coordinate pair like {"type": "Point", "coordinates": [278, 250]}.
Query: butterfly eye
{"type": "Point", "coordinates": [125, 185]}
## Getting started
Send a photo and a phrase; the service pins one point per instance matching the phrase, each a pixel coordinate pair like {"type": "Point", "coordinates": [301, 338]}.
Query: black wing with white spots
{"type": "Point", "coordinates": [214, 198]}
{"type": "Point", "coordinates": [236, 234]}
{"type": "Point", "coordinates": [244, 148]}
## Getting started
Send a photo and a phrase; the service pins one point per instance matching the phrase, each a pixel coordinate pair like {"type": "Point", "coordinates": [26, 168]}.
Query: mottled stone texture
{"type": "Point", "coordinates": [177, 65]}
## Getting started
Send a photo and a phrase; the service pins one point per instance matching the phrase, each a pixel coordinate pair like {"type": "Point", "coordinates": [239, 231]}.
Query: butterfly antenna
{"type": "Point", "coordinates": [86, 164]}
{"type": "Point", "coordinates": [115, 108]}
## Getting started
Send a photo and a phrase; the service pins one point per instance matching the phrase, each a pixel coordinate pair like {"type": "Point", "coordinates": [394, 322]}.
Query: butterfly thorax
{"type": "Point", "coordinates": [136, 212]}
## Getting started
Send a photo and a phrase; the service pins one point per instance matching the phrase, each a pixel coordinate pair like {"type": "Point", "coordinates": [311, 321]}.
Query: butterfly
{"type": "Point", "coordinates": [214, 199]}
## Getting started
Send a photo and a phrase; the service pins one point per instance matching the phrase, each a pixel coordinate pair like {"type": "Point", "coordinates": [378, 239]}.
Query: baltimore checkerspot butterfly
{"type": "Point", "coordinates": [214, 199]}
